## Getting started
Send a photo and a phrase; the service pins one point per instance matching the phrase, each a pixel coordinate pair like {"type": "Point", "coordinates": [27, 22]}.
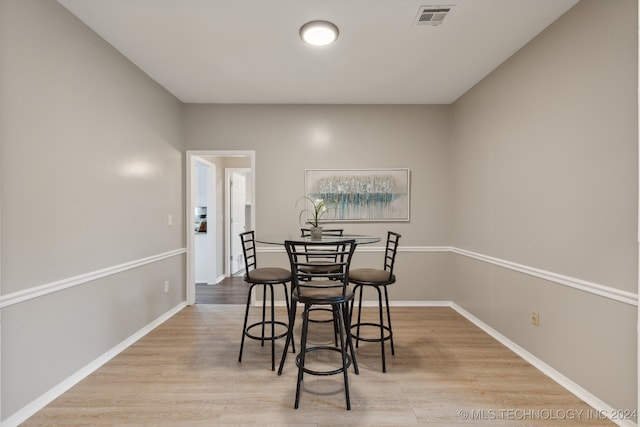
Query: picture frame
{"type": "Point", "coordinates": [361, 195]}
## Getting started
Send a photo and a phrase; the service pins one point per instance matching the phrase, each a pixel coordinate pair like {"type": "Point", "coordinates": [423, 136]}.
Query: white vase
{"type": "Point", "coordinates": [316, 233]}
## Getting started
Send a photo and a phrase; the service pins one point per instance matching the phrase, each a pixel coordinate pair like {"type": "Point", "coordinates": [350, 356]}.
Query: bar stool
{"type": "Point", "coordinates": [320, 260]}
{"type": "Point", "coordinates": [321, 289]}
{"type": "Point", "coordinates": [265, 277]}
{"type": "Point", "coordinates": [377, 279]}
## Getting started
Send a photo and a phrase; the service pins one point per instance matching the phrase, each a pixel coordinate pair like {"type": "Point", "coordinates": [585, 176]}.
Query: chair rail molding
{"type": "Point", "coordinates": [583, 285]}
{"type": "Point", "coordinates": [59, 285]}
{"type": "Point", "coordinates": [572, 282]}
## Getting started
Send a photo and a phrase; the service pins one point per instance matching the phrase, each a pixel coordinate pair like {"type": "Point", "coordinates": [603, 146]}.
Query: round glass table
{"type": "Point", "coordinates": [279, 239]}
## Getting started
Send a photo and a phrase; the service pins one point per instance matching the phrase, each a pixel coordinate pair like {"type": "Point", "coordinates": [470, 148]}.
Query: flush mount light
{"type": "Point", "coordinates": [319, 33]}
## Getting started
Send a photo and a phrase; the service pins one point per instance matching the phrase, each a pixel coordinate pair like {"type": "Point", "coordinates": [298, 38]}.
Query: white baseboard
{"type": "Point", "coordinates": [600, 406]}
{"type": "Point", "coordinates": [32, 408]}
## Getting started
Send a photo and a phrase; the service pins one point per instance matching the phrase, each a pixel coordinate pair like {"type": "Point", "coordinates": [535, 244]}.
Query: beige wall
{"type": "Point", "coordinates": [91, 165]}
{"type": "Point", "coordinates": [288, 139]}
{"type": "Point", "coordinates": [545, 174]}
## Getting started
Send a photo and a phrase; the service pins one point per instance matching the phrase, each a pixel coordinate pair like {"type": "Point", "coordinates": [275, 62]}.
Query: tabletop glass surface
{"type": "Point", "coordinates": [278, 239]}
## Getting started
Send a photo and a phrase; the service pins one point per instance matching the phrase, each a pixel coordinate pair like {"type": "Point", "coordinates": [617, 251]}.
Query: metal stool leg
{"type": "Point", "coordinates": [386, 297]}
{"type": "Point", "coordinates": [273, 330]}
{"type": "Point", "coordinates": [264, 307]}
{"type": "Point", "coordinates": [292, 316]}
{"type": "Point", "coordinates": [244, 326]}
{"type": "Point", "coordinates": [286, 300]}
{"type": "Point", "coordinates": [345, 365]}
{"type": "Point", "coordinates": [359, 315]}
{"type": "Point", "coordinates": [384, 364]}
{"type": "Point", "coordinates": [303, 348]}
{"type": "Point", "coordinates": [262, 336]}
{"type": "Point", "coordinates": [346, 312]}
{"type": "Point", "coordinates": [384, 327]}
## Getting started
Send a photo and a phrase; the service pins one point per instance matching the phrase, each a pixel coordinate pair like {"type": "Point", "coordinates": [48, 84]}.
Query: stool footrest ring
{"type": "Point", "coordinates": [266, 337]}
{"type": "Point", "coordinates": [386, 337]}
{"type": "Point", "coordinates": [324, 373]}
{"type": "Point", "coordinates": [321, 320]}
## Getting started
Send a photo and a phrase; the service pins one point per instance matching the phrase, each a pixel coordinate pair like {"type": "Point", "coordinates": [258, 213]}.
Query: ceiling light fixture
{"type": "Point", "coordinates": [319, 33]}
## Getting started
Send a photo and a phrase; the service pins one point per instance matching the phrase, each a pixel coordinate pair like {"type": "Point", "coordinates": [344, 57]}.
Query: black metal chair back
{"type": "Point", "coordinates": [249, 251]}
{"type": "Point", "coordinates": [336, 258]}
{"type": "Point", "coordinates": [391, 252]}
{"type": "Point", "coordinates": [321, 258]}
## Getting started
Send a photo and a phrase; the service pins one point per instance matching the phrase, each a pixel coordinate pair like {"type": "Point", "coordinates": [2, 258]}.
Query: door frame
{"type": "Point", "coordinates": [190, 156]}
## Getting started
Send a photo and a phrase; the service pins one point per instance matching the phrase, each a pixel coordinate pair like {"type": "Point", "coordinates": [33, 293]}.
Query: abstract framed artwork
{"type": "Point", "coordinates": [361, 195]}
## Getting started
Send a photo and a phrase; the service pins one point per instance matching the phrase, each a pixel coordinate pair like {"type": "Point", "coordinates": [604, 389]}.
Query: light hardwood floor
{"type": "Point", "coordinates": [445, 372]}
{"type": "Point", "coordinates": [230, 290]}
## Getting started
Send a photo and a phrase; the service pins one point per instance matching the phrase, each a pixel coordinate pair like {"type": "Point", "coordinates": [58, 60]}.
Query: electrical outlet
{"type": "Point", "coordinates": [535, 318]}
{"type": "Point", "coordinates": [166, 286]}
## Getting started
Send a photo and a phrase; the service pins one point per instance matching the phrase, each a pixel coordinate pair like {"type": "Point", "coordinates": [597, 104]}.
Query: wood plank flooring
{"type": "Point", "coordinates": [445, 372]}
{"type": "Point", "coordinates": [230, 290]}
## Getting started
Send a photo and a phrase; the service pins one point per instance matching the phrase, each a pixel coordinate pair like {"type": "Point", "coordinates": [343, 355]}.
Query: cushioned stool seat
{"type": "Point", "coordinates": [369, 275]}
{"type": "Point", "coordinates": [269, 274]}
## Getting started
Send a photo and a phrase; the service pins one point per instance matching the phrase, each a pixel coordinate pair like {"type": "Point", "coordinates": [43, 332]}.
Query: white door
{"type": "Point", "coordinates": [237, 219]}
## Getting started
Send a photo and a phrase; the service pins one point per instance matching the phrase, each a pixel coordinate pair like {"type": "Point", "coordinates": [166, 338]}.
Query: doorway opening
{"type": "Point", "coordinates": [230, 184]}
{"type": "Point", "coordinates": [238, 216]}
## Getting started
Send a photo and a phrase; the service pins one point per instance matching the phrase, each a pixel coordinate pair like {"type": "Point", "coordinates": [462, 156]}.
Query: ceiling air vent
{"type": "Point", "coordinates": [432, 15]}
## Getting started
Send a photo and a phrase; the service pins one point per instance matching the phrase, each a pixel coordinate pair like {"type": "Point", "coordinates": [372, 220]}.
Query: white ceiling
{"type": "Point", "coordinates": [249, 51]}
